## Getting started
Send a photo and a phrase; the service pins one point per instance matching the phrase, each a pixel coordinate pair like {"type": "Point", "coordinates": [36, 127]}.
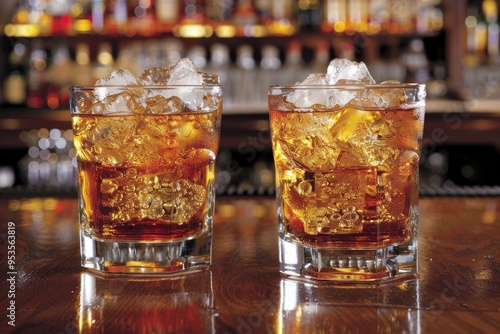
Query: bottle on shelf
{"type": "Point", "coordinates": [15, 80]}
{"type": "Point", "coordinates": [220, 11]}
{"type": "Point", "coordinates": [193, 12]}
{"type": "Point", "coordinates": [357, 20]}
{"type": "Point", "coordinates": [283, 18]}
{"type": "Point", "coordinates": [220, 64]}
{"type": "Point", "coordinates": [104, 63]}
{"type": "Point", "coordinates": [415, 62]}
{"type": "Point", "coordinates": [198, 55]}
{"type": "Point", "coordinates": [82, 66]}
{"type": "Point", "coordinates": [59, 11]}
{"type": "Point", "coordinates": [59, 78]}
{"type": "Point", "coordinates": [167, 14]}
{"type": "Point", "coordinates": [310, 15]}
{"type": "Point", "coordinates": [335, 16]}
{"type": "Point", "coordinates": [141, 17]}
{"type": "Point", "coordinates": [98, 8]}
{"type": "Point", "coordinates": [269, 71]}
{"type": "Point", "coordinates": [192, 20]}
{"type": "Point", "coordinates": [81, 11]}
{"type": "Point", "coordinates": [293, 69]}
{"type": "Point", "coordinates": [116, 16]}
{"type": "Point", "coordinates": [245, 18]}
{"type": "Point", "coordinates": [172, 51]}
{"type": "Point", "coordinates": [490, 9]}
{"type": "Point", "coordinates": [37, 75]}
{"type": "Point", "coordinates": [244, 76]}
{"type": "Point", "coordinates": [402, 16]}
{"type": "Point", "coordinates": [321, 58]}
{"type": "Point", "coordinates": [380, 16]}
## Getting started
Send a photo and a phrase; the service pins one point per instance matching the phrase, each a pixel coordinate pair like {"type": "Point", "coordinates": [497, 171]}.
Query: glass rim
{"type": "Point", "coordinates": [349, 86]}
{"type": "Point", "coordinates": [152, 87]}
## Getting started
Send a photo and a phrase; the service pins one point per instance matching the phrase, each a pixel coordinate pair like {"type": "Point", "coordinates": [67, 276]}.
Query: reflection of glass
{"type": "Point", "coordinates": [314, 308]}
{"type": "Point", "coordinates": [183, 304]}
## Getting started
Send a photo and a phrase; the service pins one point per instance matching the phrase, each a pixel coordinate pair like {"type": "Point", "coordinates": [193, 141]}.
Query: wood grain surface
{"type": "Point", "coordinates": [457, 290]}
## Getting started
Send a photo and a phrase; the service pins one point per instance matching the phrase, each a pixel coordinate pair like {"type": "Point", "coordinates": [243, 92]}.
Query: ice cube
{"type": "Point", "coordinates": [155, 76]}
{"type": "Point", "coordinates": [184, 72]}
{"type": "Point", "coordinates": [119, 77]}
{"type": "Point", "coordinates": [345, 96]}
{"type": "Point", "coordinates": [307, 98]}
{"type": "Point", "coordinates": [112, 98]}
{"type": "Point", "coordinates": [390, 97]}
{"type": "Point", "coordinates": [345, 69]}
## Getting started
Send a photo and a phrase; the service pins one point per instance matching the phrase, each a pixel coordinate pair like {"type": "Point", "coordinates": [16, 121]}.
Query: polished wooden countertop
{"type": "Point", "coordinates": [457, 289]}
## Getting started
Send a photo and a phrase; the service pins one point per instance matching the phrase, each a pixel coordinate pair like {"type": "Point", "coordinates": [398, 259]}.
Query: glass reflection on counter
{"type": "Point", "coordinates": [177, 304]}
{"type": "Point", "coordinates": [307, 307]}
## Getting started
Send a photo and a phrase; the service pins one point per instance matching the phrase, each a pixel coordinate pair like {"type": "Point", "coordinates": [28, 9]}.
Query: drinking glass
{"type": "Point", "coordinates": [347, 179]}
{"type": "Point", "coordinates": [146, 159]}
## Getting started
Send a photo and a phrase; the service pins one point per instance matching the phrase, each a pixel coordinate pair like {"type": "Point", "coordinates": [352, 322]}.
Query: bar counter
{"type": "Point", "coordinates": [46, 291]}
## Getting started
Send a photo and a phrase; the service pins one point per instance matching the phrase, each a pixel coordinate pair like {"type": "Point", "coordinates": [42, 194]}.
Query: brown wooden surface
{"type": "Point", "coordinates": [457, 291]}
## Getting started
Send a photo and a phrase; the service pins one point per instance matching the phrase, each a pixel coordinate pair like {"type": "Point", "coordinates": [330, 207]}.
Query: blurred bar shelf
{"type": "Point", "coordinates": [462, 121]}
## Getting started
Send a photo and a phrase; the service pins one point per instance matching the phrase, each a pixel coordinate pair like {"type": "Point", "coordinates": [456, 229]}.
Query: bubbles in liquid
{"type": "Point", "coordinates": [136, 197]}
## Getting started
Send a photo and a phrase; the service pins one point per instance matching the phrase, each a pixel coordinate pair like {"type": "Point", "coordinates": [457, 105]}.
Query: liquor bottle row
{"type": "Point", "coordinates": [39, 76]}
{"type": "Point", "coordinates": [227, 18]}
{"type": "Point", "coordinates": [482, 32]}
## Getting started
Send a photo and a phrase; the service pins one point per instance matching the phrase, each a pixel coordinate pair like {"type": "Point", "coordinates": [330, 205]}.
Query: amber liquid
{"type": "Point", "coordinates": [145, 177]}
{"type": "Point", "coordinates": [347, 178]}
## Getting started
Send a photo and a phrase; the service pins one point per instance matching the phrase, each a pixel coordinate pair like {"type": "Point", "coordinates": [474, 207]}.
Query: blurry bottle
{"type": "Point", "coordinates": [167, 14]}
{"type": "Point", "coordinates": [490, 10]}
{"type": "Point", "coordinates": [98, 9]}
{"type": "Point", "coordinates": [193, 12]}
{"type": "Point", "coordinates": [471, 26]}
{"type": "Point", "coordinates": [423, 16]}
{"type": "Point", "coordinates": [263, 8]}
{"type": "Point", "coordinates": [358, 15]}
{"type": "Point", "coordinates": [402, 15]}
{"type": "Point", "coordinates": [335, 15]}
{"type": "Point", "coordinates": [104, 62]}
{"type": "Point", "coordinates": [269, 71]}
{"type": "Point", "coordinates": [141, 17]}
{"type": "Point", "coordinates": [319, 63]}
{"type": "Point", "coordinates": [415, 62]}
{"type": "Point", "coordinates": [293, 68]}
{"type": "Point", "coordinates": [283, 14]}
{"type": "Point", "coordinates": [220, 64]}
{"type": "Point", "coordinates": [310, 15]}
{"type": "Point", "coordinates": [59, 10]}
{"type": "Point", "coordinates": [116, 16]}
{"type": "Point", "coordinates": [245, 17]}
{"type": "Point", "coordinates": [36, 75]}
{"type": "Point", "coordinates": [173, 50]}
{"type": "Point", "coordinates": [15, 81]}
{"type": "Point", "coordinates": [59, 78]}
{"type": "Point", "coordinates": [82, 66]}
{"type": "Point", "coordinates": [82, 16]}
{"type": "Point", "coordinates": [198, 55]}
{"type": "Point", "coordinates": [21, 12]}
{"type": "Point", "coordinates": [37, 16]}
{"type": "Point", "coordinates": [220, 11]}
{"type": "Point", "coordinates": [380, 15]}
{"type": "Point", "coordinates": [244, 79]}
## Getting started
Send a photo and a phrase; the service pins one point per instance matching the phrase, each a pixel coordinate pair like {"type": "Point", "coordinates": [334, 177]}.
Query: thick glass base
{"type": "Point", "coordinates": [348, 265]}
{"type": "Point", "coordinates": [147, 258]}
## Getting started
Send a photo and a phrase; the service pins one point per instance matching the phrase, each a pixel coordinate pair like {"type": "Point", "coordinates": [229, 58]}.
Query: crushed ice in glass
{"type": "Point", "coordinates": [113, 97]}
{"type": "Point", "coordinates": [344, 72]}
